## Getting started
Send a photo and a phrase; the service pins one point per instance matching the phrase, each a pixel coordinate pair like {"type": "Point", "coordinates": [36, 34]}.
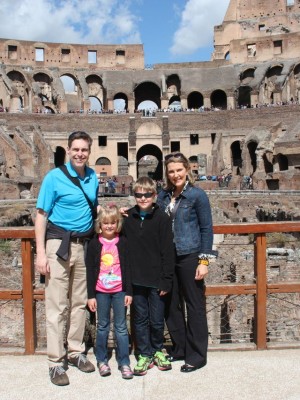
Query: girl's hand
{"type": "Point", "coordinates": [92, 304]}
{"type": "Point", "coordinates": [128, 300]}
{"type": "Point", "coordinates": [201, 272]}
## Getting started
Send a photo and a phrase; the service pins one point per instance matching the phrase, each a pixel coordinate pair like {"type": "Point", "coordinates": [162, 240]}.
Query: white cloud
{"type": "Point", "coordinates": [69, 21]}
{"type": "Point", "coordinates": [196, 26]}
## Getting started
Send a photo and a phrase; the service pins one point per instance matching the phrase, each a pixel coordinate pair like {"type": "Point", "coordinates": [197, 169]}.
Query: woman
{"type": "Point", "coordinates": [190, 211]}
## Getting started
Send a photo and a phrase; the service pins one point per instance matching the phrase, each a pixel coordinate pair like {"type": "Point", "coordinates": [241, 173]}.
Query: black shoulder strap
{"type": "Point", "coordinates": [76, 182]}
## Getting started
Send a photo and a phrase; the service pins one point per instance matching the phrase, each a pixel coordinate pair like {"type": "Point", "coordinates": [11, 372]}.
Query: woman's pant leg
{"type": "Point", "coordinates": [197, 330]}
{"type": "Point", "coordinates": [175, 318]}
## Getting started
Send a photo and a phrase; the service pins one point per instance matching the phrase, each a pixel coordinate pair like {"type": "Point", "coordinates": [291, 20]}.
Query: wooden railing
{"type": "Point", "coordinates": [261, 288]}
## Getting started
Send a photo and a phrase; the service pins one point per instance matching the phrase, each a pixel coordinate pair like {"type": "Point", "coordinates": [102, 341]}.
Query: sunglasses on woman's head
{"type": "Point", "coordinates": [175, 155]}
{"type": "Point", "coordinates": [147, 195]}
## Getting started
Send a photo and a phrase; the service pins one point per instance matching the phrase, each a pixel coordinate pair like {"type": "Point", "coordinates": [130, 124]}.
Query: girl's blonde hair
{"type": "Point", "coordinates": [177, 157]}
{"type": "Point", "coordinates": [108, 214]}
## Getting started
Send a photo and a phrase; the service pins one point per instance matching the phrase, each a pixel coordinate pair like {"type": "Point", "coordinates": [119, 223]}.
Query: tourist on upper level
{"type": "Point", "coordinates": [64, 220]}
{"type": "Point", "coordinates": [189, 208]}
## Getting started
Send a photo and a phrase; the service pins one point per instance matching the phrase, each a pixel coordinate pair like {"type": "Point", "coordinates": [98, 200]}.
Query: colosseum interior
{"type": "Point", "coordinates": [237, 114]}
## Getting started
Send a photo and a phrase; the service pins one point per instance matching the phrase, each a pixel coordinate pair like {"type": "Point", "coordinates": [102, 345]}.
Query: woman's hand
{"type": "Point", "coordinates": [201, 272]}
{"type": "Point", "coordinates": [123, 211]}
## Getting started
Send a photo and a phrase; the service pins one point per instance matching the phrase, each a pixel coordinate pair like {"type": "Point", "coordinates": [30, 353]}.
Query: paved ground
{"type": "Point", "coordinates": [235, 375]}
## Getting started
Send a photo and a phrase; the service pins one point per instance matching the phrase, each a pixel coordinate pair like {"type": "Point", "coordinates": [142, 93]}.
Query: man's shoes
{"type": "Point", "coordinates": [188, 368]}
{"type": "Point", "coordinates": [126, 372]}
{"type": "Point", "coordinates": [174, 358]}
{"type": "Point", "coordinates": [81, 362]}
{"type": "Point", "coordinates": [58, 376]}
{"type": "Point", "coordinates": [144, 363]}
{"type": "Point", "coordinates": [161, 361]}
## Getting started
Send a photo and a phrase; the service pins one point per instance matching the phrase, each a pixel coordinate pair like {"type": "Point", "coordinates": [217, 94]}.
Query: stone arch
{"type": "Point", "coordinates": [19, 96]}
{"type": "Point", "coordinates": [122, 98]}
{"type": "Point", "coordinates": [195, 100]}
{"type": "Point", "coordinates": [147, 91]}
{"type": "Point", "coordinates": [173, 86]}
{"type": "Point", "coordinates": [247, 75]}
{"type": "Point", "coordinates": [283, 162]}
{"type": "Point", "coordinates": [244, 96]}
{"type": "Point", "coordinates": [73, 93]}
{"type": "Point", "coordinates": [95, 88]}
{"type": "Point", "coordinates": [103, 166]}
{"type": "Point", "coordinates": [236, 157]}
{"type": "Point", "coordinates": [154, 170]}
{"type": "Point", "coordinates": [218, 99]}
{"type": "Point", "coordinates": [270, 83]}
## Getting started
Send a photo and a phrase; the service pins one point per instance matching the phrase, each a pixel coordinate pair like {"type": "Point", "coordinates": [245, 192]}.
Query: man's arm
{"type": "Point", "coordinates": [41, 264]}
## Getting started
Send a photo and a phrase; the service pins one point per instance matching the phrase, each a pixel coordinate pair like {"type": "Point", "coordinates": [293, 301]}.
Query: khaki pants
{"type": "Point", "coordinates": [65, 287]}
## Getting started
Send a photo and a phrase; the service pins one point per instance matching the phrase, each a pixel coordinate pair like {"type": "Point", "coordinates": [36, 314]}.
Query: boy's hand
{"type": "Point", "coordinates": [162, 293]}
{"type": "Point", "coordinates": [128, 301]}
{"type": "Point", "coordinates": [123, 211]}
{"type": "Point", "coordinates": [92, 304]}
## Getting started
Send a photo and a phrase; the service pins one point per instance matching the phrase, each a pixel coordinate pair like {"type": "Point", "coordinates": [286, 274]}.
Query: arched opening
{"type": "Point", "coordinates": [73, 93]}
{"type": "Point", "coordinates": [147, 91]}
{"type": "Point", "coordinates": [103, 166]}
{"type": "Point", "coordinates": [194, 165]}
{"type": "Point", "coordinates": [252, 146]}
{"type": "Point", "coordinates": [122, 165]}
{"type": "Point", "coordinates": [59, 156]}
{"type": "Point", "coordinates": [244, 96]}
{"type": "Point", "coordinates": [120, 102]}
{"type": "Point", "coordinates": [218, 99]}
{"type": "Point", "coordinates": [247, 76]}
{"type": "Point", "coordinates": [95, 105]}
{"type": "Point", "coordinates": [236, 157]}
{"type": "Point", "coordinates": [227, 56]}
{"type": "Point", "coordinates": [283, 162]}
{"type": "Point", "coordinates": [195, 100]}
{"type": "Point", "coordinates": [173, 86]}
{"type": "Point", "coordinates": [149, 162]}
{"type": "Point", "coordinates": [175, 103]}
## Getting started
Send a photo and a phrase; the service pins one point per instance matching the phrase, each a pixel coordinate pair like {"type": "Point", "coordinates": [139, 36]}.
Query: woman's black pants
{"type": "Point", "coordinates": [189, 334]}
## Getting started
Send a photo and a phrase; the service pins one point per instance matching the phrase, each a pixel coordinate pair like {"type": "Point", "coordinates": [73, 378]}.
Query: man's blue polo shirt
{"type": "Point", "coordinates": [64, 202]}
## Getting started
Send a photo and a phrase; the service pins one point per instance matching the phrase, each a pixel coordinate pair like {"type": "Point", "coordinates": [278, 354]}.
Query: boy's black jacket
{"type": "Point", "coordinates": [151, 248]}
{"type": "Point", "coordinates": [93, 265]}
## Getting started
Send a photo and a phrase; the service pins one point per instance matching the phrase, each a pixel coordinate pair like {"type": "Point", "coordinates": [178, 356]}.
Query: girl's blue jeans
{"type": "Point", "coordinates": [104, 303]}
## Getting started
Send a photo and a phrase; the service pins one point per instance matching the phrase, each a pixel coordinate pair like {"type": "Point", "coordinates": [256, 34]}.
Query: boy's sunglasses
{"type": "Point", "coordinates": [168, 156]}
{"type": "Point", "coordinates": [140, 195]}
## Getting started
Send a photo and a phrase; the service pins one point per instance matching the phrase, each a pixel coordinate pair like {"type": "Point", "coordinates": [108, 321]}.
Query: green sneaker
{"type": "Point", "coordinates": [144, 363]}
{"type": "Point", "coordinates": [161, 361]}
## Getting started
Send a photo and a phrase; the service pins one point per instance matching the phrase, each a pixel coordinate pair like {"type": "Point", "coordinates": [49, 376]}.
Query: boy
{"type": "Point", "coordinates": [151, 250]}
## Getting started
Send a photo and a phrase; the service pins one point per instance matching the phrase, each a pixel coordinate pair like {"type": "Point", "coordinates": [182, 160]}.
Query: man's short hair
{"type": "Point", "coordinates": [79, 135]}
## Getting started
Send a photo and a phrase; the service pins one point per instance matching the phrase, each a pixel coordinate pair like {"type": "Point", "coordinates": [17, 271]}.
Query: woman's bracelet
{"type": "Point", "coordinates": [203, 261]}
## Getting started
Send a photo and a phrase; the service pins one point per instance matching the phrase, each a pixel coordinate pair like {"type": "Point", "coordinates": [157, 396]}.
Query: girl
{"type": "Point", "coordinates": [109, 284]}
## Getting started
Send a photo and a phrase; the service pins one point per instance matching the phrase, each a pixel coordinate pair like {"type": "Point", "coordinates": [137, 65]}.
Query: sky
{"type": "Point", "coordinates": [170, 30]}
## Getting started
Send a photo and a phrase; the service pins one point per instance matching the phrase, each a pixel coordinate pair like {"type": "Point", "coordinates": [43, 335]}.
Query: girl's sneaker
{"type": "Point", "coordinates": [161, 361]}
{"type": "Point", "coordinates": [104, 369]}
{"type": "Point", "coordinates": [126, 372]}
{"type": "Point", "coordinates": [144, 363]}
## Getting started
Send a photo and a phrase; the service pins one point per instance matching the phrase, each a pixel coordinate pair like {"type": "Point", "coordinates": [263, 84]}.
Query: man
{"type": "Point", "coordinates": [64, 221]}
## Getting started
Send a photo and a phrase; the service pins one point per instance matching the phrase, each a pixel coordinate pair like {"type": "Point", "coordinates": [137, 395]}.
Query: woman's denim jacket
{"type": "Point", "coordinates": [193, 230]}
